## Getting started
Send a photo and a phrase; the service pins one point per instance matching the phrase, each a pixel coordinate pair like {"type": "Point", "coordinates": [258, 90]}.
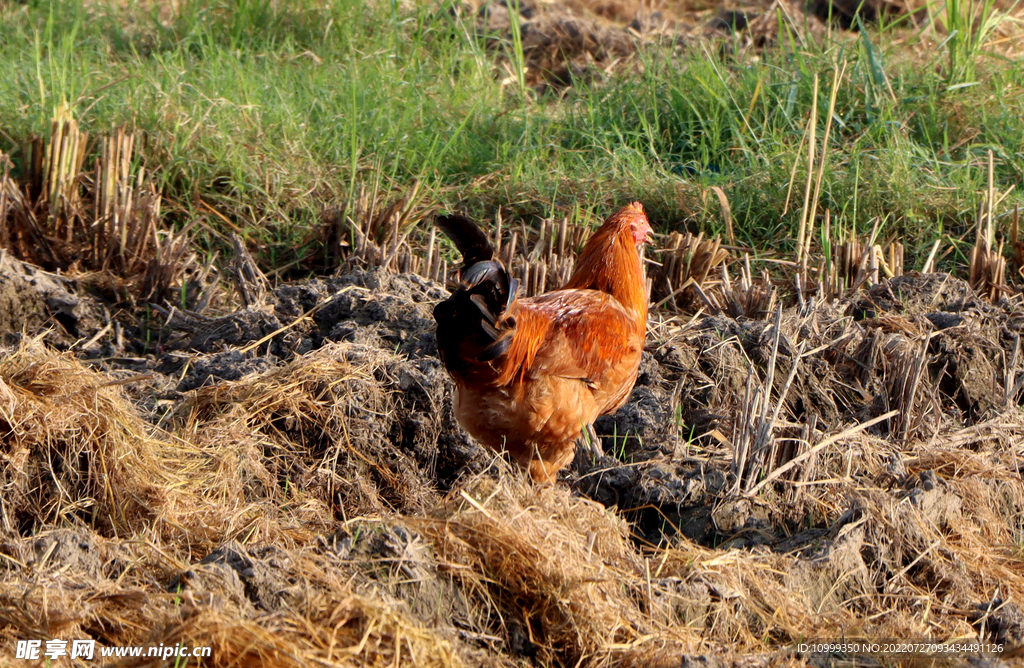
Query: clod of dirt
{"type": "Point", "coordinates": [561, 46]}
{"type": "Point", "coordinates": [31, 300]}
{"type": "Point", "coordinates": [237, 329]}
{"type": "Point", "coordinates": [936, 501]}
{"type": "Point", "coordinates": [401, 566]}
{"type": "Point", "coordinates": [1002, 622]}
{"type": "Point", "coordinates": [644, 23]}
{"type": "Point", "coordinates": [941, 320]}
{"type": "Point", "coordinates": [645, 426]}
{"type": "Point", "coordinates": [703, 661]}
{"type": "Point", "coordinates": [660, 497]}
{"type": "Point", "coordinates": [563, 563]}
{"type": "Point", "coordinates": [229, 365]}
{"type": "Point", "coordinates": [562, 43]}
{"type": "Point", "coordinates": [67, 550]}
{"type": "Point", "coordinates": [916, 294]}
{"type": "Point", "coordinates": [742, 521]}
{"type": "Point", "coordinates": [832, 571]}
{"type": "Point", "coordinates": [965, 365]}
{"type": "Point", "coordinates": [684, 599]}
{"type": "Point", "coordinates": [394, 312]}
{"type": "Point", "coordinates": [262, 572]}
{"type": "Point", "coordinates": [212, 584]}
{"type": "Point", "coordinates": [494, 16]}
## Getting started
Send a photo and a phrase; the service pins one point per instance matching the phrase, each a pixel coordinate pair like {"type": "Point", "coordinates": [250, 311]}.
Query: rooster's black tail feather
{"type": "Point", "coordinates": [470, 323]}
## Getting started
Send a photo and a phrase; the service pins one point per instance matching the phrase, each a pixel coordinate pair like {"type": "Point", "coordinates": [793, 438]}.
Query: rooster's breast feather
{"type": "Point", "coordinates": [575, 333]}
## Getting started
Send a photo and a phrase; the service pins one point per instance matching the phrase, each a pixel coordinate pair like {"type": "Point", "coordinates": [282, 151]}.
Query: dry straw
{"type": "Point", "coordinates": [339, 559]}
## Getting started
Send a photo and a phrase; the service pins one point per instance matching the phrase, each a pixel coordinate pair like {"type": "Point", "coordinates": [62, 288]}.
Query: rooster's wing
{"type": "Point", "coordinates": [583, 335]}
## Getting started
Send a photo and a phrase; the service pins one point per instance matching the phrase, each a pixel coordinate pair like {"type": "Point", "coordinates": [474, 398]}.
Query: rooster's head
{"type": "Point", "coordinates": [633, 216]}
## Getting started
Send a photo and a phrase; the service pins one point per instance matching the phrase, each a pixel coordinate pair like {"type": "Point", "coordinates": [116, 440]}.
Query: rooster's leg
{"type": "Point", "coordinates": [591, 437]}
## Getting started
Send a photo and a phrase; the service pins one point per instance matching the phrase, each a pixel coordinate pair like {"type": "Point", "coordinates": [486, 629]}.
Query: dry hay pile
{"type": "Point", "coordinates": [563, 42]}
{"type": "Point", "coordinates": [580, 40]}
{"type": "Point", "coordinates": [311, 501]}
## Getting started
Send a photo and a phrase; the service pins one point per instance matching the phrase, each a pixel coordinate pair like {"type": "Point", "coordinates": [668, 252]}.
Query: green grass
{"type": "Point", "coordinates": [969, 25]}
{"type": "Point", "coordinates": [271, 112]}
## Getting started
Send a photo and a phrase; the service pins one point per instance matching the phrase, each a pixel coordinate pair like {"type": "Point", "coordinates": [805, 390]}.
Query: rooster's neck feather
{"type": "Point", "coordinates": [610, 263]}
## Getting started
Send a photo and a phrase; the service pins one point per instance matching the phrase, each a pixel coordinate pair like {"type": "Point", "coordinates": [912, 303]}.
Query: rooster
{"type": "Point", "coordinates": [532, 374]}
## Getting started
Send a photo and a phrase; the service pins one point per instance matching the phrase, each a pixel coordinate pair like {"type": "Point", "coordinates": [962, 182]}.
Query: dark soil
{"type": "Point", "coordinates": [360, 421]}
{"type": "Point", "coordinates": [656, 469]}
